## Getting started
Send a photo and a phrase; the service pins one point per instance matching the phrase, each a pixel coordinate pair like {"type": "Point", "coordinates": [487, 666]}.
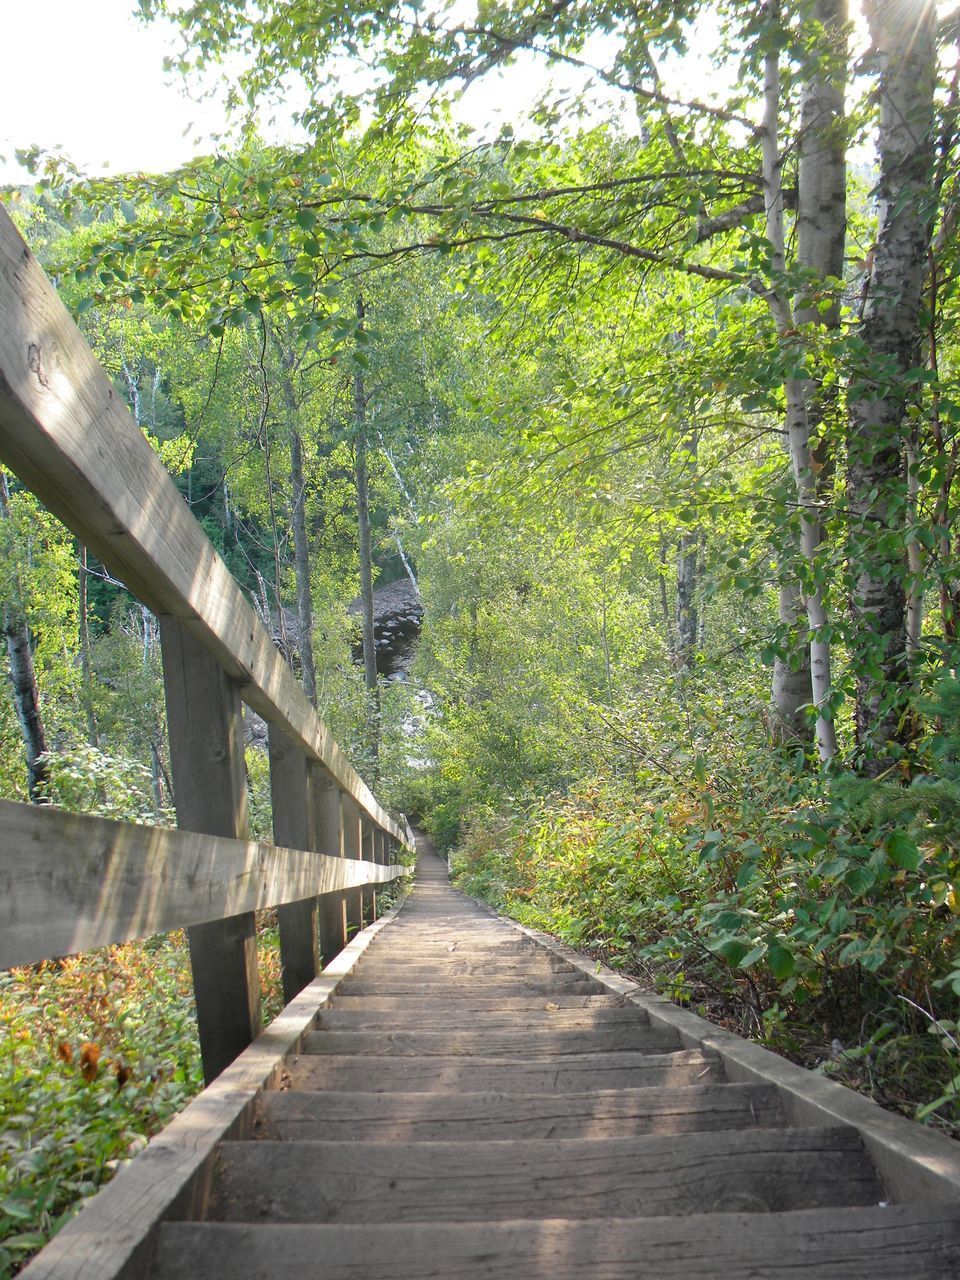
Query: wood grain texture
{"type": "Point", "coordinates": [527, 1045]}
{"type": "Point", "coordinates": [352, 848]}
{"type": "Point", "coordinates": [69, 883]}
{"type": "Point", "coordinates": [464, 988]}
{"type": "Point", "coordinates": [454, 967]}
{"type": "Point", "coordinates": [745, 1170]}
{"type": "Point", "coordinates": [66, 433]}
{"type": "Point", "coordinates": [446, 1117]}
{"type": "Point", "coordinates": [112, 1239]}
{"type": "Point", "coordinates": [896, 1243]}
{"type": "Point", "coordinates": [293, 799]}
{"type": "Point", "coordinates": [205, 722]}
{"type": "Point", "coordinates": [435, 1005]}
{"type": "Point", "coordinates": [331, 912]}
{"type": "Point", "coordinates": [505, 1075]}
{"type": "Point", "coordinates": [916, 1162]}
{"type": "Point", "coordinates": [419, 1017]}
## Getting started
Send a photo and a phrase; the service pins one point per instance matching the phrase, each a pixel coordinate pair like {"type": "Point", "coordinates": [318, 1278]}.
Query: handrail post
{"type": "Point", "coordinates": [294, 827]}
{"type": "Point", "coordinates": [352, 848]}
{"type": "Point", "coordinates": [368, 899]}
{"type": "Point", "coordinates": [204, 718]}
{"type": "Point", "coordinates": [371, 832]}
{"type": "Point", "coordinates": [380, 851]}
{"type": "Point", "coordinates": [329, 819]}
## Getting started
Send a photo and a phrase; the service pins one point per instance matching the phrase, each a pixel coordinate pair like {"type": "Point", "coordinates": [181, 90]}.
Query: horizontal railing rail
{"type": "Point", "coordinates": [70, 883]}
{"type": "Point", "coordinates": [66, 433]}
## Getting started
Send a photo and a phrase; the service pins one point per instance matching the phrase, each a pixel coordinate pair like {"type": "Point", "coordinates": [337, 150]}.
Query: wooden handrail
{"type": "Point", "coordinates": [69, 882]}
{"type": "Point", "coordinates": [69, 437]}
{"type": "Point", "coordinates": [78, 882]}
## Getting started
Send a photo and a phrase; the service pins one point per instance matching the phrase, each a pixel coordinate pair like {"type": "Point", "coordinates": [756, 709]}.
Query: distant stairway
{"type": "Point", "coordinates": [473, 1105]}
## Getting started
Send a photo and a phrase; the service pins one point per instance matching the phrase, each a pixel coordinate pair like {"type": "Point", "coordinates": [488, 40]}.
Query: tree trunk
{"type": "Point", "coordinates": [687, 630]}
{"type": "Point", "coordinates": [688, 560]}
{"type": "Point", "coordinates": [791, 688]}
{"type": "Point", "coordinates": [23, 679]}
{"type": "Point", "coordinates": [366, 562]}
{"type": "Point", "coordinates": [86, 674]}
{"type": "Point", "coordinates": [301, 548]}
{"type": "Point", "coordinates": [821, 228]}
{"type": "Point", "coordinates": [903, 38]}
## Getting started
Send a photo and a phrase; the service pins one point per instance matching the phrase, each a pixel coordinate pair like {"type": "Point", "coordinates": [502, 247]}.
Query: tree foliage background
{"type": "Point", "coordinates": [653, 396]}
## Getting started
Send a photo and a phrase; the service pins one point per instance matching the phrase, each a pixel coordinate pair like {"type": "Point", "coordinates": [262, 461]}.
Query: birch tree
{"type": "Point", "coordinates": [887, 373]}
{"type": "Point", "coordinates": [821, 228]}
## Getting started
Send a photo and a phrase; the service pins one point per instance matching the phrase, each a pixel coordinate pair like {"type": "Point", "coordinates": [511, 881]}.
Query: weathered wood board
{"type": "Point", "coordinates": [896, 1243]}
{"type": "Point", "coordinates": [528, 1044]}
{"type": "Point", "coordinates": [69, 882]}
{"type": "Point", "coordinates": [754, 1170]}
{"type": "Point", "coordinates": [67, 434]}
{"type": "Point", "coordinates": [548, 1075]}
{"type": "Point", "coordinates": [445, 1117]}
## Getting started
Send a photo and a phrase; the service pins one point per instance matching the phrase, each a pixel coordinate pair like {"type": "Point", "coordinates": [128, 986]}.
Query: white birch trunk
{"type": "Point", "coordinates": [903, 38]}
{"type": "Point", "coordinates": [821, 228]}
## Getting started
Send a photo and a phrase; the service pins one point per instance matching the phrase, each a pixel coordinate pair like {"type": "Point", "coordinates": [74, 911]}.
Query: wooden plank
{"type": "Point", "coordinates": [827, 1244]}
{"type": "Point", "coordinates": [66, 433]}
{"type": "Point", "coordinates": [295, 827]}
{"type": "Point", "coordinates": [69, 883]}
{"type": "Point", "coordinates": [332, 910]}
{"type": "Point", "coordinates": [464, 988]}
{"type": "Point", "coordinates": [112, 1238]}
{"type": "Point", "coordinates": [205, 723]}
{"type": "Point", "coordinates": [529, 1043]}
{"type": "Point", "coordinates": [368, 899]}
{"type": "Point", "coordinates": [745, 1170]}
{"type": "Point", "coordinates": [445, 1117]}
{"type": "Point", "coordinates": [536, 1004]}
{"type": "Point", "coordinates": [352, 848]}
{"type": "Point", "coordinates": [452, 969]}
{"type": "Point", "coordinates": [505, 1075]}
{"type": "Point", "coordinates": [441, 1017]}
{"type": "Point", "coordinates": [915, 1162]}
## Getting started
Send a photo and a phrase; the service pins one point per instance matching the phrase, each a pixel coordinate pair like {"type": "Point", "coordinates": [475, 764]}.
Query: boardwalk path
{"type": "Point", "coordinates": [473, 1105]}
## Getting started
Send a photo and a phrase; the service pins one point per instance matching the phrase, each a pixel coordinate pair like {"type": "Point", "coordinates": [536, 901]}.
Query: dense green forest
{"type": "Point", "coordinates": [650, 398]}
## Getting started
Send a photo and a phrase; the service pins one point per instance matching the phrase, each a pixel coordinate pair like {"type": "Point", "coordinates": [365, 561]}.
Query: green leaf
{"type": "Point", "coordinates": [902, 850]}
{"type": "Point", "coordinates": [753, 955]}
{"type": "Point", "coordinates": [860, 879]}
{"type": "Point", "coordinates": [731, 949]}
{"type": "Point", "coordinates": [16, 1208]}
{"type": "Point", "coordinates": [782, 962]}
{"type": "Point", "coordinates": [25, 1242]}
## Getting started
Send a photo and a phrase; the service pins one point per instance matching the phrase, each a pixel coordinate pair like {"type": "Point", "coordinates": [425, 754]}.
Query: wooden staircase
{"type": "Point", "coordinates": [474, 1104]}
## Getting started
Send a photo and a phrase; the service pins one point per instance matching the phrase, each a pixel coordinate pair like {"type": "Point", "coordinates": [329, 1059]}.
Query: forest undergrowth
{"type": "Point", "coordinates": [97, 1053]}
{"type": "Point", "coordinates": [818, 915]}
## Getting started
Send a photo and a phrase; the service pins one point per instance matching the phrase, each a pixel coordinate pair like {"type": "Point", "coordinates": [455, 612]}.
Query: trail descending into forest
{"type": "Point", "coordinates": [473, 1101]}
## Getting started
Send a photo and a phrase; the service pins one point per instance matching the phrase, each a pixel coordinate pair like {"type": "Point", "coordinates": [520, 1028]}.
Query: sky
{"type": "Point", "coordinates": [88, 78]}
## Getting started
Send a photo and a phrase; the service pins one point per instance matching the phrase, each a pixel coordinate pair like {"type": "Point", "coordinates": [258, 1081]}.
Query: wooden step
{"type": "Point", "coordinates": [396, 940]}
{"type": "Point", "coordinates": [575, 1074]}
{"type": "Point", "coordinates": [896, 1243]}
{"type": "Point", "coordinates": [442, 1017]}
{"type": "Point", "coordinates": [747, 1170]}
{"type": "Point", "coordinates": [459, 1117]}
{"type": "Point", "coordinates": [414, 969]}
{"type": "Point", "coordinates": [463, 988]}
{"type": "Point", "coordinates": [345, 999]}
{"type": "Point", "coordinates": [421, 953]}
{"type": "Point", "coordinates": [518, 1044]}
